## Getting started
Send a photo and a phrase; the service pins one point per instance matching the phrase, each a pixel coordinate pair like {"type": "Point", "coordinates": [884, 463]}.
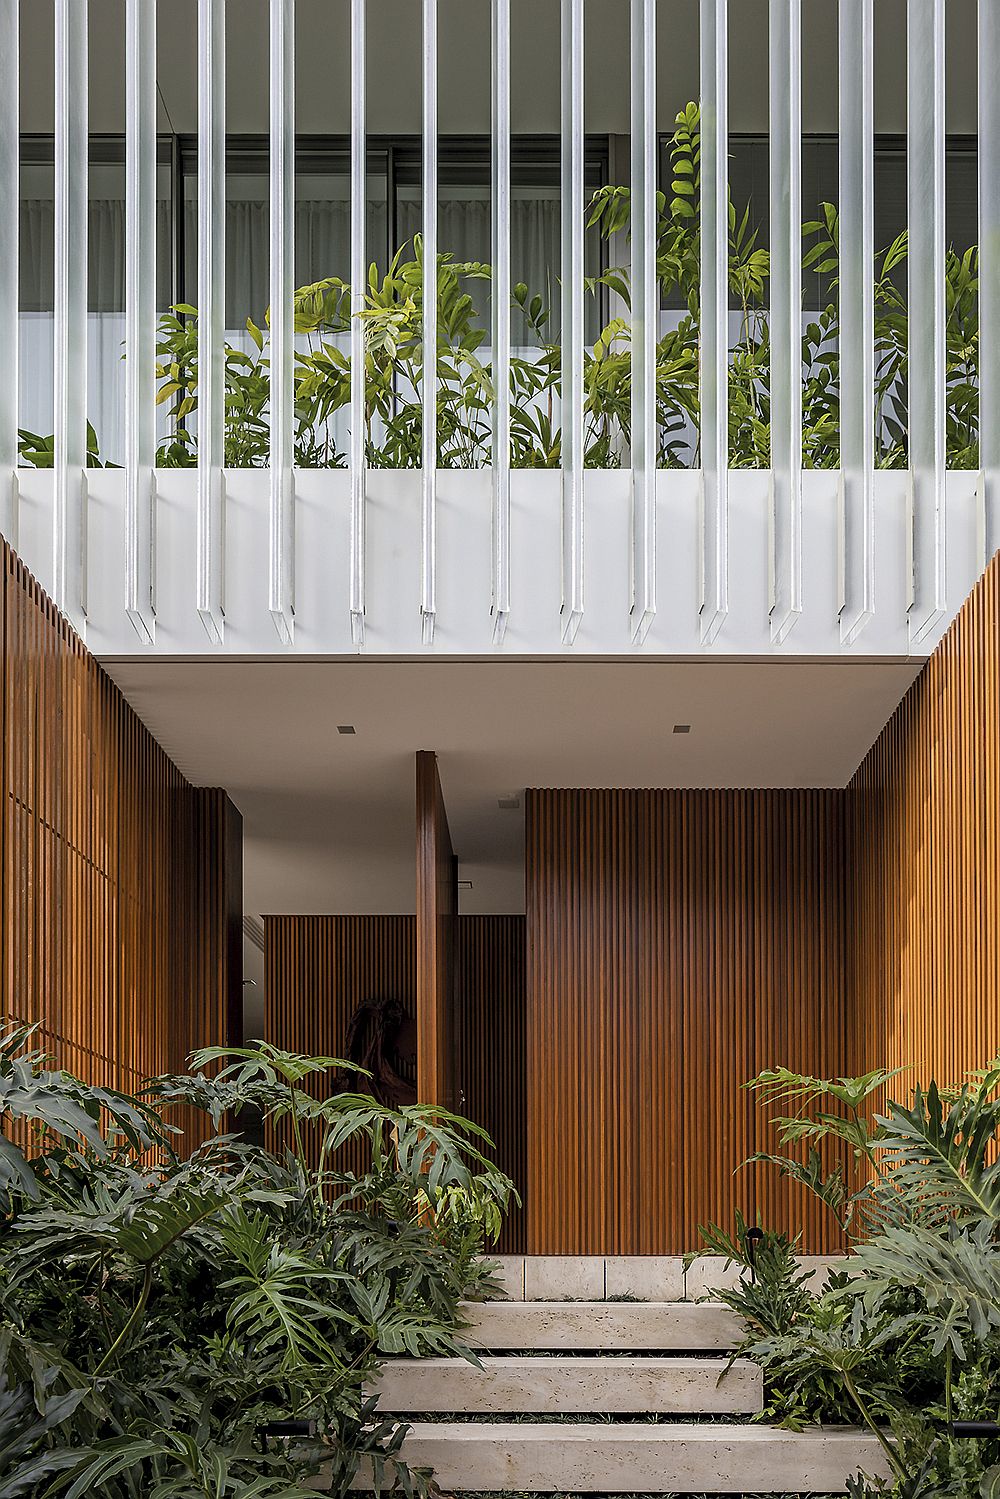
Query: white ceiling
{"type": "Point", "coordinates": [394, 65]}
{"type": "Point", "coordinates": [329, 818]}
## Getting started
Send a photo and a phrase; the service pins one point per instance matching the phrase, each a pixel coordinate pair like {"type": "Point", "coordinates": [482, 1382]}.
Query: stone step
{"type": "Point", "coordinates": [572, 1386]}
{"type": "Point", "coordinates": [638, 1277]}
{"type": "Point", "coordinates": [622, 1326]}
{"type": "Point", "coordinates": [627, 1459]}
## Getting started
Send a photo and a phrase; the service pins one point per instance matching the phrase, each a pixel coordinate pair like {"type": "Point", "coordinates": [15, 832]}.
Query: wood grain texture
{"type": "Point", "coordinates": [437, 907]}
{"type": "Point", "coordinates": [925, 954]}
{"type": "Point", "coordinates": [489, 1044]}
{"type": "Point", "coordinates": [678, 943]}
{"type": "Point", "coordinates": [122, 883]}
{"type": "Point", "coordinates": [319, 968]}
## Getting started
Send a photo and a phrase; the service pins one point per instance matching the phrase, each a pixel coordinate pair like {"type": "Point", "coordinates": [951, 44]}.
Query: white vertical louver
{"type": "Point", "coordinates": [857, 318]}
{"type": "Point", "coordinates": [140, 316]}
{"type": "Point", "coordinates": [925, 167]}
{"type": "Point", "coordinates": [9, 225]}
{"type": "Point", "coordinates": [571, 330]}
{"type": "Point", "coordinates": [69, 562]}
{"type": "Point", "coordinates": [786, 315]}
{"type": "Point", "coordinates": [211, 314]}
{"type": "Point", "coordinates": [500, 303]}
{"type": "Point", "coordinates": [281, 591]}
{"type": "Point", "coordinates": [714, 380]}
{"type": "Point", "coordinates": [359, 268]}
{"type": "Point", "coordinates": [645, 316]}
{"type": "Point", "coordinates": [989, 273]}
{"type": "Point", "coordinates": [428, 545]}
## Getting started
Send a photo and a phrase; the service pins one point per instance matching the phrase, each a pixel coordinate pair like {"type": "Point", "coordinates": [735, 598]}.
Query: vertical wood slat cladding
{"type": "Point", "coordinates": [925, 959]}
{"type": "Point", "coordinates": [489, 1044]}
{"type": "Point", "coordinates": [320, 967]}
{"type": "Point", "coordinates": [678, 943]}
{"type": "Point", "coordinates": [122, 887]}
{"type": "Point", "coordinates": [437, 908]}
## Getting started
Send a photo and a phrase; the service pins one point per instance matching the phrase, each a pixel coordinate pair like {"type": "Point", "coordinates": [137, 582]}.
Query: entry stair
{"type": "Point", "coordinates": [638, 1397]}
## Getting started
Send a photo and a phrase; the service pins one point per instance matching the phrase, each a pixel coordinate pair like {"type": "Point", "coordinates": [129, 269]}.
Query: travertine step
{"type": "Point", "coordinates": [615, 1325]}
{"type": "Point", "coordinates": [547, 1458]}
{"type": "Point", "coordinates": [571, 1386]}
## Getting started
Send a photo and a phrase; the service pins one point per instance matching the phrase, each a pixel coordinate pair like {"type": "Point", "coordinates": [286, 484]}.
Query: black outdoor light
{"type": "Point", "coordinates": [284, 1430]}
{"type": "Point", "coordinates": [983, 1430]}
{"type": "Point", "coordinates": [754, 1237]}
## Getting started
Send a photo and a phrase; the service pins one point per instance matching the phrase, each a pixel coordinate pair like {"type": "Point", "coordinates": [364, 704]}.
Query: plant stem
{"type": "Point", "coordinates": [875, 1429]}
{"type": "Point", "coordinates": [133, 1320]}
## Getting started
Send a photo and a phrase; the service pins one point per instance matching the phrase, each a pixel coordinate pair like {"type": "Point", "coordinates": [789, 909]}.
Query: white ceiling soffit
{"type": "Point", "coordinates": [329, 816]}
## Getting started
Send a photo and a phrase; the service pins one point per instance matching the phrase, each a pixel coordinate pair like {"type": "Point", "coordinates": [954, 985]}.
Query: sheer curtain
{"type": "Point", "coordinates": [105, 319]}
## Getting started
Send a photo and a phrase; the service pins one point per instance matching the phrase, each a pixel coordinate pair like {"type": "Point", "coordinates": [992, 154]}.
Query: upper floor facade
{"type": "Point", "coordinates": [716, 321]}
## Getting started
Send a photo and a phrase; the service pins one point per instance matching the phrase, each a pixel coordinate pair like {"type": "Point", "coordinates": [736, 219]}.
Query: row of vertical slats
{"type": "Point", "coordinates": [116, 888]}
{"type": "Point", "coordinates": [678, 943]}
{"type": "Point", "coordinates": [925, 959]}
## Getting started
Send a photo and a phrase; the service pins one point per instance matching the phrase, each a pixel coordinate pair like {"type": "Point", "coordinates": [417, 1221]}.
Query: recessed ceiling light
{"type": "Point", "coordinates": [346, 728]}
{"type": "Point", "coordinates": [682, 728]}
{"type": "Point", "coordinates": [465, 884]}
{"type": "Point", "coordinates": [508, 803]}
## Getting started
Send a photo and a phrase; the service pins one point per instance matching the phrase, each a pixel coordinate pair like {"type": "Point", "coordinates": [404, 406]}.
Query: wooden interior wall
{"type": "Point", "coordinates": [319, 968]}
{"type": "Point", "coordinates": [489, 1044]}
{"type": "Point", "coordinates": [122, 883]}
{"type": "Point", "coordinates": [437, 907]}
{"type": "Point", "coordinates": [925, 954]}
{"type": "Point", "coordinates": [678, 943]}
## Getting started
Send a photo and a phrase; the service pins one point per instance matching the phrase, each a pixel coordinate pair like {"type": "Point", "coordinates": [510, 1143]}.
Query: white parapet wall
{"type": "Point", "coordinates": [464, 623]}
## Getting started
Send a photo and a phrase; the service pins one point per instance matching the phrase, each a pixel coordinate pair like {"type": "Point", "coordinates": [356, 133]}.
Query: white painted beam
{"type": "Point", "coordinates": [645, 316]}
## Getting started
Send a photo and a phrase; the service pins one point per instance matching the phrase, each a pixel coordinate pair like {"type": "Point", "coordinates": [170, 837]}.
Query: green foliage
{"type": "Point", "coordinates": [392, 313]}
{"type": "Point", "coordinates": [909, 1340]}
{"type": "Point", "coordinates": [159, 1308]}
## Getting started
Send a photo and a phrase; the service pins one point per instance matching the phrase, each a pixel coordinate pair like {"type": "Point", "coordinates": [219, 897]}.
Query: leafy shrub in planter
{"type": "Point", "coordinates": [394, 357]}
{"type": "Point", "coordinates": [160, 1308]}
{"type": "Point", "coordinates": [907, 1341]}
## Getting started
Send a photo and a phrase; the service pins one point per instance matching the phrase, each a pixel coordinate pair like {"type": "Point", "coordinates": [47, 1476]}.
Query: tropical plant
{"type": "Point", "coordinates": [161, 1307]}
{"type": "Point", "coordinates": [392, 312]}
{"type": "Point", "coordinates": [907, 1341]}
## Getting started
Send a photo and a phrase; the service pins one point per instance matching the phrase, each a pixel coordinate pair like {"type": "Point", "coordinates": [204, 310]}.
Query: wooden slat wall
{"type": "Point", "coordinates": [320, 967]}
{"type": "Point", "coordinates": [678, 942]}
{"type": "Point", "coordinates": [925, 955]}
{"type": "Point", "coordinates": [437, 907]}
{"type": "Point", "coordinates": [488, 1040]}
{"type": "Point", "coordinates": [122, 883]}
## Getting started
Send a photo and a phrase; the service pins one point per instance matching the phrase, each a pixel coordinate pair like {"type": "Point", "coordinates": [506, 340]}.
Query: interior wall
{"type": "Point", "coordinates": [320, 968]}
{"type": "Point", "coordinates": [678, 942]}
{"type": "Point", "coordinates": [925, 955]}
{"type": "Point", "coordinates": [122, 883]}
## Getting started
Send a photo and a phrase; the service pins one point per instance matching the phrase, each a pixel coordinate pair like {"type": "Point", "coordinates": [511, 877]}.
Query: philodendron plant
{"type": "Point", "coordinates": [161, 1307]}
{"type": "Point", "coordinates": [394, 356]}
{"type": "Point", "coordinates": [906, 1339]}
